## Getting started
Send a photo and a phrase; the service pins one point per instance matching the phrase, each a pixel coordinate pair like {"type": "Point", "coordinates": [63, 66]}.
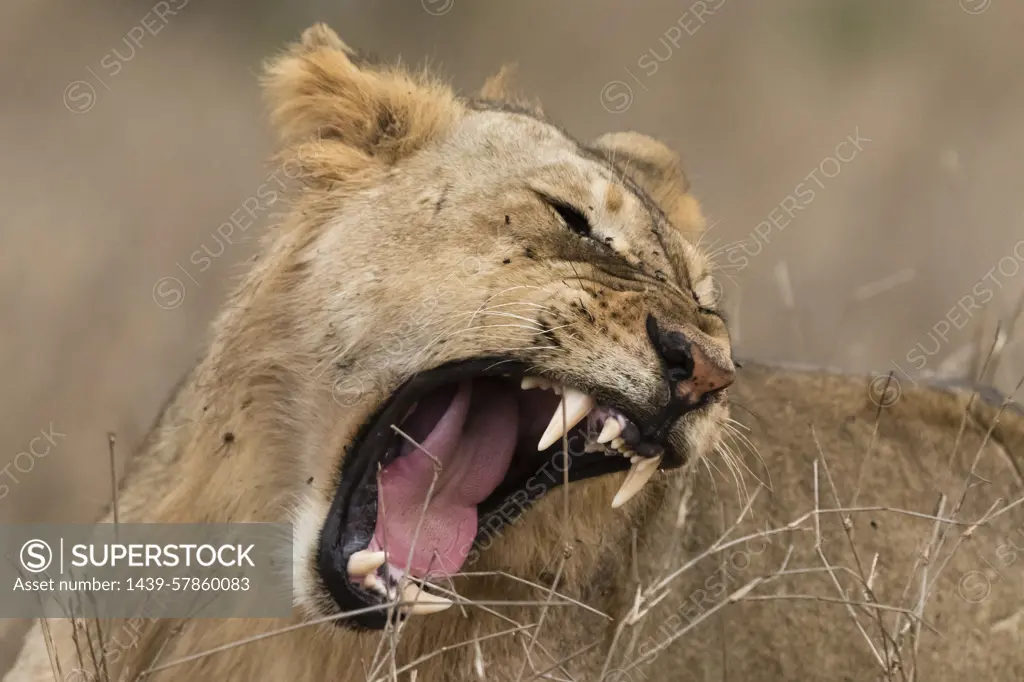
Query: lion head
{"type": "Point", "coordinates": [465, 309]}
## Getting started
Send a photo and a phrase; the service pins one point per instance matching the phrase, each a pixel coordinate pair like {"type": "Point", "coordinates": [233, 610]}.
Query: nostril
{"type": "Point", "coordinates": [688, 368]}
{"type": "Point", "coordinates": [677, 374]}
{"type": "Point", "coordinates": [677, 353]}
{"type": "Point", "coordinates": [674, 348]}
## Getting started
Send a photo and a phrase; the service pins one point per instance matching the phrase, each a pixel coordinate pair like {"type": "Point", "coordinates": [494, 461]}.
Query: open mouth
{"type": "Point", "coordinates": [452, 456]}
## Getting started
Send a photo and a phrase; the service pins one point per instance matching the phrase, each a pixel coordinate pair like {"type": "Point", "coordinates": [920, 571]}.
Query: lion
{"type": "Point", "coordinates": [482, 370]}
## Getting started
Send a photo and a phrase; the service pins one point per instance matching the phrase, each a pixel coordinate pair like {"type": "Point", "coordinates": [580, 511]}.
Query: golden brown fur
{"type": "Point", "coordinates": [411, 236]}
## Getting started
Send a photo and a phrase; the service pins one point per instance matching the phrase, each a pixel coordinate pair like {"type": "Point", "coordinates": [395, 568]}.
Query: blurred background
{"type": "Point", "coordinates": [860, 162]}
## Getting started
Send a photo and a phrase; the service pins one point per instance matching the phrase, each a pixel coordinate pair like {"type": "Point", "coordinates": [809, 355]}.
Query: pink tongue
{"type": "Point", "coordinates": [473, 440]}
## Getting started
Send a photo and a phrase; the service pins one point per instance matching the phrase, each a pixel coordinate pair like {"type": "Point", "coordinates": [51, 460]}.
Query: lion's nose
{"type": "Point", "coordinates": [691, 373]}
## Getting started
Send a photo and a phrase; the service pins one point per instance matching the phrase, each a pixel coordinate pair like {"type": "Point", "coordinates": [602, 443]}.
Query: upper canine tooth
{"type": "Point", "coordinates": [575, 405]}
{"type": "Point", "coordinates": [365, 562]}
{"type": "Point", "coordinates": [420, 602]}
{"type": "Point", "coordinates": [610, 431]}
{"type": "Point", "coordinates": [529, 382]}
{"type": "Point", "coordinates": [636, 479]}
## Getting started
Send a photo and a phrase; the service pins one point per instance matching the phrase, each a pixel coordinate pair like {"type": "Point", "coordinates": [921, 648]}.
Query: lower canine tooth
{"type": "Point", "coordinates": [365, 562]}
{"type": "Point", "coordinates": [372, 582]}
{"type": "Point", "coordinates": [610, 431]}
{"type": "Point", "coordinates": [576, 405]}
{"type": "Point", "coordinates": [636, 479]}
{"type": "Point", "coordinates": [421, 602]}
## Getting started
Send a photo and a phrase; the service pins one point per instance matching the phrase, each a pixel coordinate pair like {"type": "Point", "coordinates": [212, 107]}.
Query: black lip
{"type": "Point", "coordinates": [351, 520]}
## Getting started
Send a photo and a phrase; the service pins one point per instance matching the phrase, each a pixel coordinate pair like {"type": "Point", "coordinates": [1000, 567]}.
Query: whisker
{"type": "Point", "coordinates": [730, 462]}
{"type": "Point", "coordinates": [706, 461]}
{"type": "Point", "coordinates": [740, 438]}
{"type": "Point", "coordinates": [513, 316]}
{"type": "Point", "coordinates": [736, 423]}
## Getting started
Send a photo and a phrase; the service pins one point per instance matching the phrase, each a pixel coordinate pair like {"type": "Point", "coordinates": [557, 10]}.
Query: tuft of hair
{"type": "Point", "coordinates": [338, 114]}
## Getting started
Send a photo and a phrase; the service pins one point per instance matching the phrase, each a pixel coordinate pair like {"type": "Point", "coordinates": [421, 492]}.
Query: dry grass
{"type": "Point", "coordinates": [890, 632]}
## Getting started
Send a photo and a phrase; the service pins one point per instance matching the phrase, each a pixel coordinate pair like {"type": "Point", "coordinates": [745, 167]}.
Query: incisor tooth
{"type": "Point", "coordinates": [365, 561]}
{"type": "Point", "coordinates": [617, 443]}
{"type": "Point", "coordinates": [636, 479]}
{"type": "Point", "coordinates": [420, 602]}
{"type": "Point", "coordinates": [576, 405]}
{"type": "Point", "coordinates": [610, 431]}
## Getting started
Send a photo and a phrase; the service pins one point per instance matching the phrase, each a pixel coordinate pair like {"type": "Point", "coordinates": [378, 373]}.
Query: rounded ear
{"type": "Point", "coordinates": [501, 88]}
{"type": "Point", "coordinates": [659, 172]}
{"type": "Point", "coordinates": [353, 112]}
{"type": "Point", "coordinates": [501, 85]}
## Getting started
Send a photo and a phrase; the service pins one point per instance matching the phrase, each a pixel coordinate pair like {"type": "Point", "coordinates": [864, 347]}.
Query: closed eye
{"type": "Point", "coordinates": [572, 217]}
{"type": "Point", "coordinates": [713, 313]}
